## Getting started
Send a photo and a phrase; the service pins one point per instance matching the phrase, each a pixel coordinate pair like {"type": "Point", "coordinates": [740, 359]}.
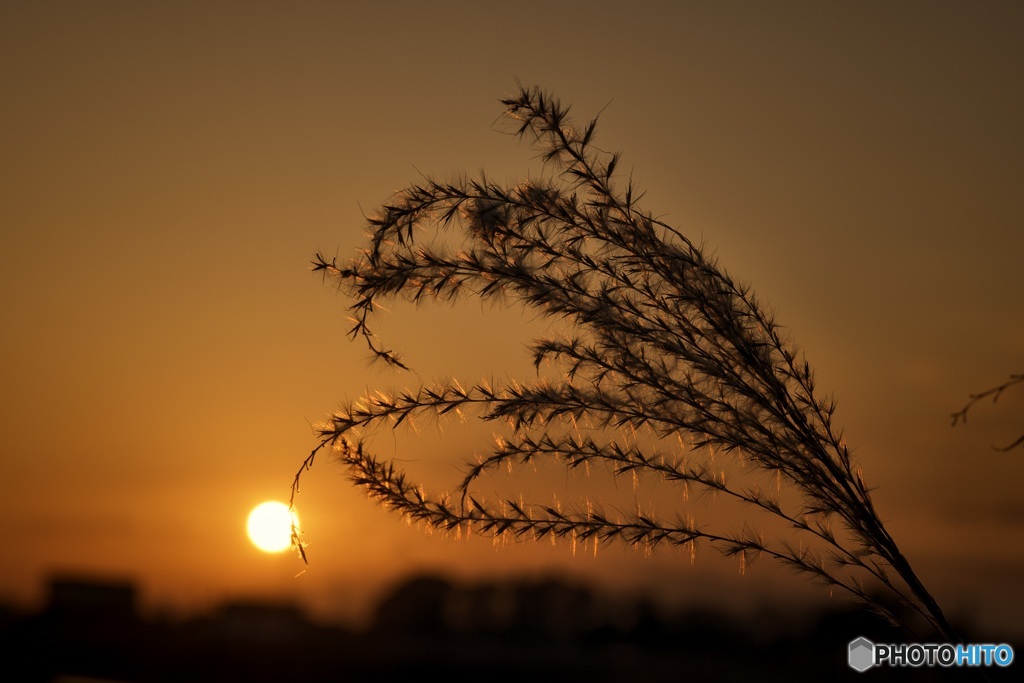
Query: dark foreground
{"type": "Point", "coordinates": [428, 627]}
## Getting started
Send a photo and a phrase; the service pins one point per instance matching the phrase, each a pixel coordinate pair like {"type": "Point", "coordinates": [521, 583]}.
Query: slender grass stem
{"type": "Point", "coordinates": [662, 342]}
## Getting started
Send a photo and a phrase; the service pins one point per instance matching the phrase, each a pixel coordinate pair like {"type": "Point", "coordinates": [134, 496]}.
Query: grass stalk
{"type": "Point", "coordinates": [662, 341]}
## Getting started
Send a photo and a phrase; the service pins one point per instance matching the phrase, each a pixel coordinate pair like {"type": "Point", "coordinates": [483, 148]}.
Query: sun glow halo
{"type": "Point", "coordinates": [270, 526]}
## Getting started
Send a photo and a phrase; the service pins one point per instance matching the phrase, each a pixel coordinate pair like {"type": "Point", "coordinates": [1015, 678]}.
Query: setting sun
{"type": "Point", "coordinates": [270, 526]}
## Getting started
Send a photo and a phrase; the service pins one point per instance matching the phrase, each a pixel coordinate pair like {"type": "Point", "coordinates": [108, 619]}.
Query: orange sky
{"type": "Point", "coordinates": [167, 172]}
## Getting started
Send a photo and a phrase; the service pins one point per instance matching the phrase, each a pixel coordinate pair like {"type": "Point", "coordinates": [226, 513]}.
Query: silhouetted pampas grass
{"type": "Point", "coordinates": [662, 342]}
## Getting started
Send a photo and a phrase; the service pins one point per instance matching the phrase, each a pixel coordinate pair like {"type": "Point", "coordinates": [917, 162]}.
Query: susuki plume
{"type": "Point", "coordinates": [662, 341]}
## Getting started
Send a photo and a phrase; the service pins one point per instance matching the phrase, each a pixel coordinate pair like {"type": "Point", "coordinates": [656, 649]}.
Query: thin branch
{"type": "Point", "coordinates": [995, 392]}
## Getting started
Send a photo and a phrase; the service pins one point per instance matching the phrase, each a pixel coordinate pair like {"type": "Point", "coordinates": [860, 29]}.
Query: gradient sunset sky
{"type": "Point", "coordinates": [169, 169]}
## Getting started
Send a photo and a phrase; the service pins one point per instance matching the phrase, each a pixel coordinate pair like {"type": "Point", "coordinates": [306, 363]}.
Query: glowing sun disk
{"type": "Point", "coordinates": [270, 526]}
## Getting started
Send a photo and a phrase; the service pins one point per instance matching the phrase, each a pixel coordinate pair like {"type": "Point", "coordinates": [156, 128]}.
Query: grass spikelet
{"type": "Point", "coordinates": [664, 348]}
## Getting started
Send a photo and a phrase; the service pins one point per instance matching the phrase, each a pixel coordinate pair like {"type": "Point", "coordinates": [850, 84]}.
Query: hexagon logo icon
{"type": "Point", "coordinates": [862, 654]}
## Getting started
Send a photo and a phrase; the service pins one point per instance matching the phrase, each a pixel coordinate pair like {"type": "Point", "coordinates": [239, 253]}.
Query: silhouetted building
{"type": "Point", "coordinates": [89, 599]}
{"type": "Point", "coordinates": [430, 627]}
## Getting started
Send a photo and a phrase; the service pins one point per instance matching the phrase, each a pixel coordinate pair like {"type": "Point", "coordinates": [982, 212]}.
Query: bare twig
{"type": "Point", "coordinates": [995, 392]}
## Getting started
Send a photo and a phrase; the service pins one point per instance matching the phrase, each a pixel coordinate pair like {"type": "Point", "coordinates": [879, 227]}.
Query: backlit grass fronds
{"type": "Point", "coordinates": [662, 342]}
